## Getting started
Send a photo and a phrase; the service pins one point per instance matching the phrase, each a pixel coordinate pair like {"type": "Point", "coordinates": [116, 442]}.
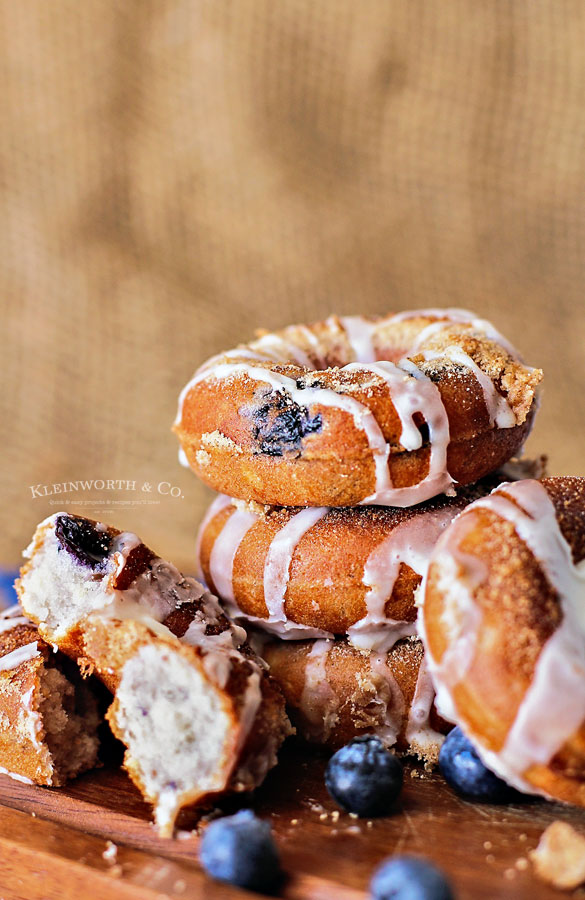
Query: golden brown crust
{"type": "Point", "coordinates": [360, 690]}
{"type": "Point", "coordinates": [20, 752]}
{"type": "Point", "coordinates": [334, 465]}
{"type": "Point", "coordinates": [520, 611]}
{"type": "Point", "coordinates": [24, 750]}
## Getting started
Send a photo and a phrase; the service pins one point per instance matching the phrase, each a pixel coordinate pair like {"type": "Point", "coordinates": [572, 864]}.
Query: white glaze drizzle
{"type": "Point", "coordinates": [220, 503]}
{"type": "Point", "coordinates": [420, 735]}
{"type": "Point", "coordinates": [360, 335]}
{"type": "Point", "coordinates": [279, 558]}
{"type": "Point", "coordinates": [410, 543]}
{"type": "Point", "coordinates": [250, 705]}
{"type": "Point", "coordinates": [393, 713]}
{"type": "Point", "coordinates": [557, 690]}
{"type": "Point", "coordinates": [242, 352]}
{"type": "Point", "coordinates": [30, 719]}
{"type": "Point", "coordinates": [283, 351]}
{"type": "Point", "coordinates": [225, 547]}
{"type": "Point", "coordinates": [318, 702]}
{"type": "Point", "coordinates": [122, 547]}
{"type": "Point", "coordinates": [20, 655]}
{"type": "Point", "coordinates": [411, 392]}
{"type": "Point", "coordinates": [499, 410]}
{"type": "Point", "coordinates": [12, 612]}
{"type": "Point", "coordinates": [311, 338]}
{"type": "Point", "coordinates": [9, 624]}
{"type": "Point", "coordinates": [15, 776]}
{"type": "Point", "coordinates": [11, 617]}
{"type": "Point", "coordinates": [453, 316]}
{"type": "Point", "coordinates": [458, 575]}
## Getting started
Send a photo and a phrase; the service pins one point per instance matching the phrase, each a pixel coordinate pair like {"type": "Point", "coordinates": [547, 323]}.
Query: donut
{"type": "Point", "coordinates": [49, 716]}
{"type": "Point", "coordinates": [389, 411]}
{"type": "Point", "coordinates": [504, 629]}
{"type": "Point", "coordinates": [193, 704]}
{"type": "Point", "coordinates": [318, 572]}
{"type": "Point", "coordinates": [335, 693]}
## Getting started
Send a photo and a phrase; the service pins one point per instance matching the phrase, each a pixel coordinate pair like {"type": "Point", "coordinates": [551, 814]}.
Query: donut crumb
{"type": "Point", "coordinates": [559, 859]}
{"type": "Point", "coordinates": [215, 439]}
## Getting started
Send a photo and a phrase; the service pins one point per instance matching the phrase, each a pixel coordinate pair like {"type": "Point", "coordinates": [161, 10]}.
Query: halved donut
{"type": "Point", "coordinates": [193, 705]}
{"type": "Point", "coordinates": [504, 629]}
{"type": "Point", "coordinates": [335, 693]}
{"type": "Point", "coordinates": [320, 571]}
{"type": "Point", "coordinates": [351, 411]}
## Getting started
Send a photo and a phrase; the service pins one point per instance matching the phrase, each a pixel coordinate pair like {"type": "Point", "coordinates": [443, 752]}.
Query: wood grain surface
{"type": "Point", "coordinates": [52, 840]}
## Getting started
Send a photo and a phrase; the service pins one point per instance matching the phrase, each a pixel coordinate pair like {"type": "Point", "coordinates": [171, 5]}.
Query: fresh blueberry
{"type": "Point", "coordinates": [465, 772]}
{"type": "Point", "coordinates": [82, 540]}
{"type": "Point", "coordinates": [240, 849]}
{"type": "Point", "coordinates": [409, 878]}
{"type": "Point", "coordinates": [281, 424]}
{"type": "Point", "coordinates": [364, 777]}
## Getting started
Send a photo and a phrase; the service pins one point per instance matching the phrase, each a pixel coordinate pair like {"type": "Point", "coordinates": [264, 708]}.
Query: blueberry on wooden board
{"type": "Point", "coordinates": [364, 777]}
{"type": "Point", "coordinates": [409, 878]}
{"type": "Point", "coordinates": [82, 540]}
{"type": "Point", "coordinates": [464, 771]}
{"type": "Point", "coordinates": [240, 850]}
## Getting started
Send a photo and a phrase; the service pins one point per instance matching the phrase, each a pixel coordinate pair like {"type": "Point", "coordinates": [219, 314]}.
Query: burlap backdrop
{"type": "Point", "coordinates": [176, 174]}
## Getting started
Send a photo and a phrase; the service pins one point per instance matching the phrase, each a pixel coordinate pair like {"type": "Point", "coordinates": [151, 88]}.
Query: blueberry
{"type": "Point", "coordinates": [83, 541]}
{"type": "Point", "coordinates": [364, 777]}
{"type": "Point", "coordinates": [281, 424]}
{"type": "Point", "coordinates": [240, 849]}
{"type": "Point", "coordinates": [409, 878]}
{"type": "Point", "coordinates": [465, 772]}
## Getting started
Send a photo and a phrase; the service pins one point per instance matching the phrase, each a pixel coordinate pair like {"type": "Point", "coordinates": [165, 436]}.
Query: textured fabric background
{"type": "Point", "coordinates": [175, 174]}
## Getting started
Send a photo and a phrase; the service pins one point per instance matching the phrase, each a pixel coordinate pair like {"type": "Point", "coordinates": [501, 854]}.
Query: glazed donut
{"type": "Point", "coordinates": [49, 716]}
{"type": "Point", "coordinates": [193, 704]}
{"type": "Point", "coordinates": [504, 628]}
{"type": "Point", "coordinates": [335, 693]}
{"type": "Point", "coordinates": [319, 572]}
{"type": "Point", "coordinates": [388, 411]}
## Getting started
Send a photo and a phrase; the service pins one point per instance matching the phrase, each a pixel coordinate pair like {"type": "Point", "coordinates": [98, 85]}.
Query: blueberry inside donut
{"type": "Point", "coordinates": [88, 546]}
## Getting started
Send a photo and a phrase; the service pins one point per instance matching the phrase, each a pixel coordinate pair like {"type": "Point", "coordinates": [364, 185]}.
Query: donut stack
{"type": "Point", "coordinates": [341, 452]}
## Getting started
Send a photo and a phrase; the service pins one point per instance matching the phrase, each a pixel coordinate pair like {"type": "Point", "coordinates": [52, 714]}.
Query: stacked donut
{"type": "Point", "coordinates": [342, 451]}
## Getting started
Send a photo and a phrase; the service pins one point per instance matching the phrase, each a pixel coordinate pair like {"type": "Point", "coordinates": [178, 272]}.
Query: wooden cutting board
{"type": "Point", "coordinates": [52, 840]}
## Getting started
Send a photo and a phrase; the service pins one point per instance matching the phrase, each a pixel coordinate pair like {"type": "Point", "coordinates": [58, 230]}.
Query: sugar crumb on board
{"type": "Point", "coordinates": [110, 854]}
{"type": "Point", "coordinates": [559, 859]}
